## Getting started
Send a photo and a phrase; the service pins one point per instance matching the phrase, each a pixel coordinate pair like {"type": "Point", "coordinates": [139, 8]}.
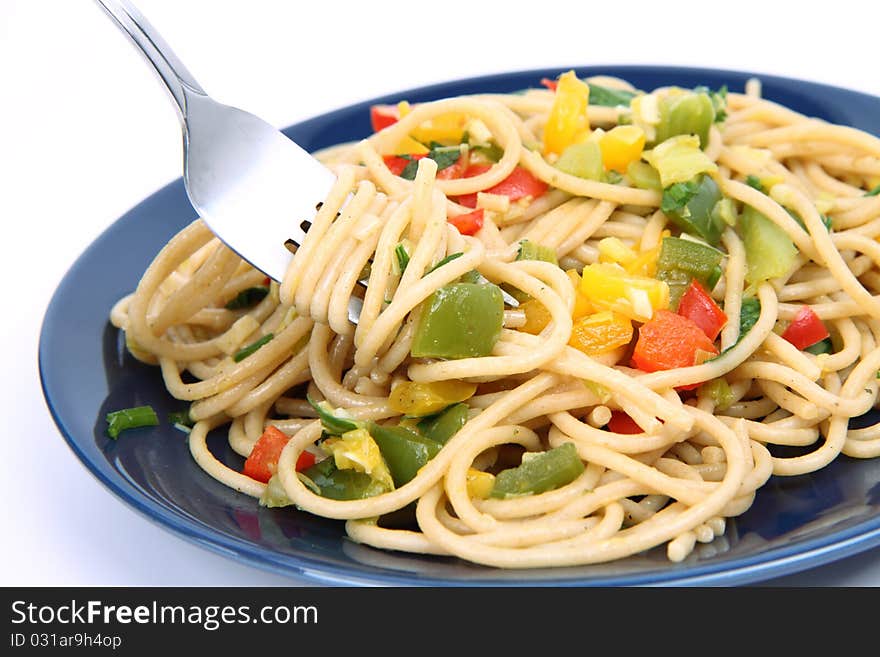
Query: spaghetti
{"type": "Point", "coordinates": [695, 276]}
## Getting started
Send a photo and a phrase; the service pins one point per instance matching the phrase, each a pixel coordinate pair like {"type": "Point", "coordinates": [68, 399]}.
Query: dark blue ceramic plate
{"type": "Point", "coordinates": [795, 523]}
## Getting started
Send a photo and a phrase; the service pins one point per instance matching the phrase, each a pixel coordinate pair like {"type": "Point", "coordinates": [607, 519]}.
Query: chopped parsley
{"type": "Point", "coordinates": [607, 97]}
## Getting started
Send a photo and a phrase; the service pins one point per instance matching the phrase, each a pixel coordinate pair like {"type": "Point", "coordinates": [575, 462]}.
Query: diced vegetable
{"type": "Point", "coordinates": [529, 250]}
{"type": "Point", "coordinates": [252, 347]}
{"type": "Point", "coordinates": [520, 184]}
{"type": "Point", "coordinates": [469, 223]}
{"type": "Point", "coordinates": [610, 287]}
{"type": "Point", "coordinates": [332, 420]}
{"type": "Point", "coordinates": [441, 427]}
{"type": "Point", "coordinates": [262, 462]}
{"type": "Point", "coordinates": [568, 122]}
{"type": "Point", "coordinates": [608, 97]}
{"type": "Point", "coordinates": [445, 128]}
{"type": "Point", "coordinates": [769, 250]}
{"type": "Point", "coordinates": [583, 160]}
{"type": "Point", "coordinates": [601, 332]}
{"type": "Point", "coordinates": [825, 346]}
{"type": "Point", "coordinates": [130, 418]}
{"type": "Point", "coordinates": [643, 175]}
{"type": "Point", "coordinates": [750, 311]}
{"type": "Point", "coordinates": [247, 298]}
{"type": "Point", "coordinates": [719, 391]}
{"type": "Point", "coordinates": [682, 261]}
{"type": "Point", "coordinates": [621, 146]}
{"type": "Point", "coordinates": [690, 206]}
{"type": "Point", "coordinates": [461, 320]}
{"type": "Point", "coordinates": [669, 341]}
{"type": "Point", "coordinates": [479, 483]}
{"type": "Point", "coordinates": [679, 159]}
{"type": "Point", "coordinates": [701, 309]}
{"type": "Point", "coordinates": [403, 450]}
{"type": "Point", "coordinates": [356, 450]}
{"type": "Point", "coordinates": [539, 473]}
{"type": "Point", "coordinates": [806, 329]}
{"type": "Point", "coordinates": [582, 305]}
{"type": "Point", "coordinates": [537, 316]}
{"type": "Point", "coordinates": [382, 116]}
{"type": "Point", "coordinates": [337, 484]}
{"type": "Point", "coordinates": [274, 496]}
{"type": "Point", "coordinates": [685, 113]}
{"type": "Point", "coordinates": [420, 399]}
{"type": "Point", "coordinates": [874, 192]}
{"type": "Point", "coordinates": [620, 422]}
{"type": "Point", "coordinates": [181, 417]}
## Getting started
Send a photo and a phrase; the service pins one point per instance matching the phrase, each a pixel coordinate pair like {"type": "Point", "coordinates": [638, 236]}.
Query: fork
{"type": "Point", "coordinates": [253, 186]}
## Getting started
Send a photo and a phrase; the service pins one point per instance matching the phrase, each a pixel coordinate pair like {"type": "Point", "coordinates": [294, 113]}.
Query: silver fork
{"type": "Point", "coordinates": [253, 186]}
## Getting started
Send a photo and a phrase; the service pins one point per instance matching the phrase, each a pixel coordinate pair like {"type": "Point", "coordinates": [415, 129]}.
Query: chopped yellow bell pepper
{"type": "Point", "coordinates": [582, 305]}
{"type": "Point", "coordinates": [537, 316]}
{"type": "Point", "coordinates": [610, 287]}
{"type": "Point", "coordinates": [418, 399]}
{"type": "Point", "coordinates": [479, 483]}
{"type": "Point", "coordinates": [644, 263]}
{"type": "Point", "coordinates": [356, 450]}
{"type": "Point", "coordinates": [444, 128]}
{"type": "Point", "coordinates": [568, 122]}
{"type": "Point", "coordinates": [409, 146]}
{"type": "Point", "coordinates": [601, 332]}
{"type": "Point", "coordinates": [620, 146]}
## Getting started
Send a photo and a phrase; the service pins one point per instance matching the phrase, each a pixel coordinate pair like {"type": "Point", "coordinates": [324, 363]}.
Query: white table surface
{"type": "Point", "coordinates": [87, 132]}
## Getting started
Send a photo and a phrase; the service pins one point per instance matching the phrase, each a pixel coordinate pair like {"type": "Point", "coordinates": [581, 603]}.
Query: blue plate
{"type": "Point", "coordinates": [794, 524]}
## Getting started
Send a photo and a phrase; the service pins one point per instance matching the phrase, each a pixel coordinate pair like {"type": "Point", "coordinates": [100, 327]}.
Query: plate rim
{"type": "Point", "coordinates": [773, 562]}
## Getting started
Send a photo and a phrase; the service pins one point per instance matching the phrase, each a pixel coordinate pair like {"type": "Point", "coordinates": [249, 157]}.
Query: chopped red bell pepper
{"type": "Point", "coordinates": [263, 459]}
{"type": "Point", "coordinates": [397, 163]}
{"type": "Point", "coordinates": [806, 329]}
{"type": "Point", "coordinates": [550, 84]}
{"type": "Point", "coordinates": [668, 341]}
{"type": "Point", "coordinates": [468, 224]}
{"type": "Point", "coordinates": [382, 116]}
{"type": "Point", "coordinates": [519, 184]}
{"type": "Point", "coordinates": [620, 422]}
{"type": "Point", "coordinates": [454, 171]}
{"type": "Point", "coordinates": [701, 309]}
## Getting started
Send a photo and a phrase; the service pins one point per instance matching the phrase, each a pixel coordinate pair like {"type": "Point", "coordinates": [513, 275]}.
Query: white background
{"type": "Point", "coordinates": [87, 132]}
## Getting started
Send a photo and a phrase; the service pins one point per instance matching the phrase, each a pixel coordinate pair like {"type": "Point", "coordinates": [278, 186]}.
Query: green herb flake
{"type": "Point", "coordinates": [252, 347]}
{"type": "Point", "coordinates": [445, 261]}
{"type": "Point", "coordinates": [608, 97]}
{"type": "Point", "coordinates": [130, 418]}
{"type": "Point", "coordinates": [678, 195]}
{"type": "Point", "coordinates": [402, 257]}
{"type": "Point", "coordinates": [753, 181]}
{"type": "Point", "coordinates": [247, 298]}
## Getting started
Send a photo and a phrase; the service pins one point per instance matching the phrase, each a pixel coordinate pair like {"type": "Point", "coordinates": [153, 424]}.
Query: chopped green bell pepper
{"type": "Point", "coordinates": [345, 484]}
{"type": "Point", "coordinates": [442, 426]}
{"type": "Point", "coordinates": [529, 250]}
{"type": "Point", "coordinates": [769, 250]}
{"type": "Point", "coordinates": [583, 160]}
{"type": "Point", "coordinates": [540, 473]}
{"type": "Point", "coordinates": [462, 320]}
{"type": "Point", "coordinates": [681, 261]}
{"type": "Point", "coordinates": [404, 450]}
{"type": "Point", "coordinates": [690, 206]}
{"type": "Point", "coordinates": [686, 113]}
{"type": "Point", "coordinates": [644, 176]}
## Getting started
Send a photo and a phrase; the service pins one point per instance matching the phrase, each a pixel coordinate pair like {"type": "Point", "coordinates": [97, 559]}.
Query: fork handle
{"type": "Point", "coordinates": [144, 36]}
